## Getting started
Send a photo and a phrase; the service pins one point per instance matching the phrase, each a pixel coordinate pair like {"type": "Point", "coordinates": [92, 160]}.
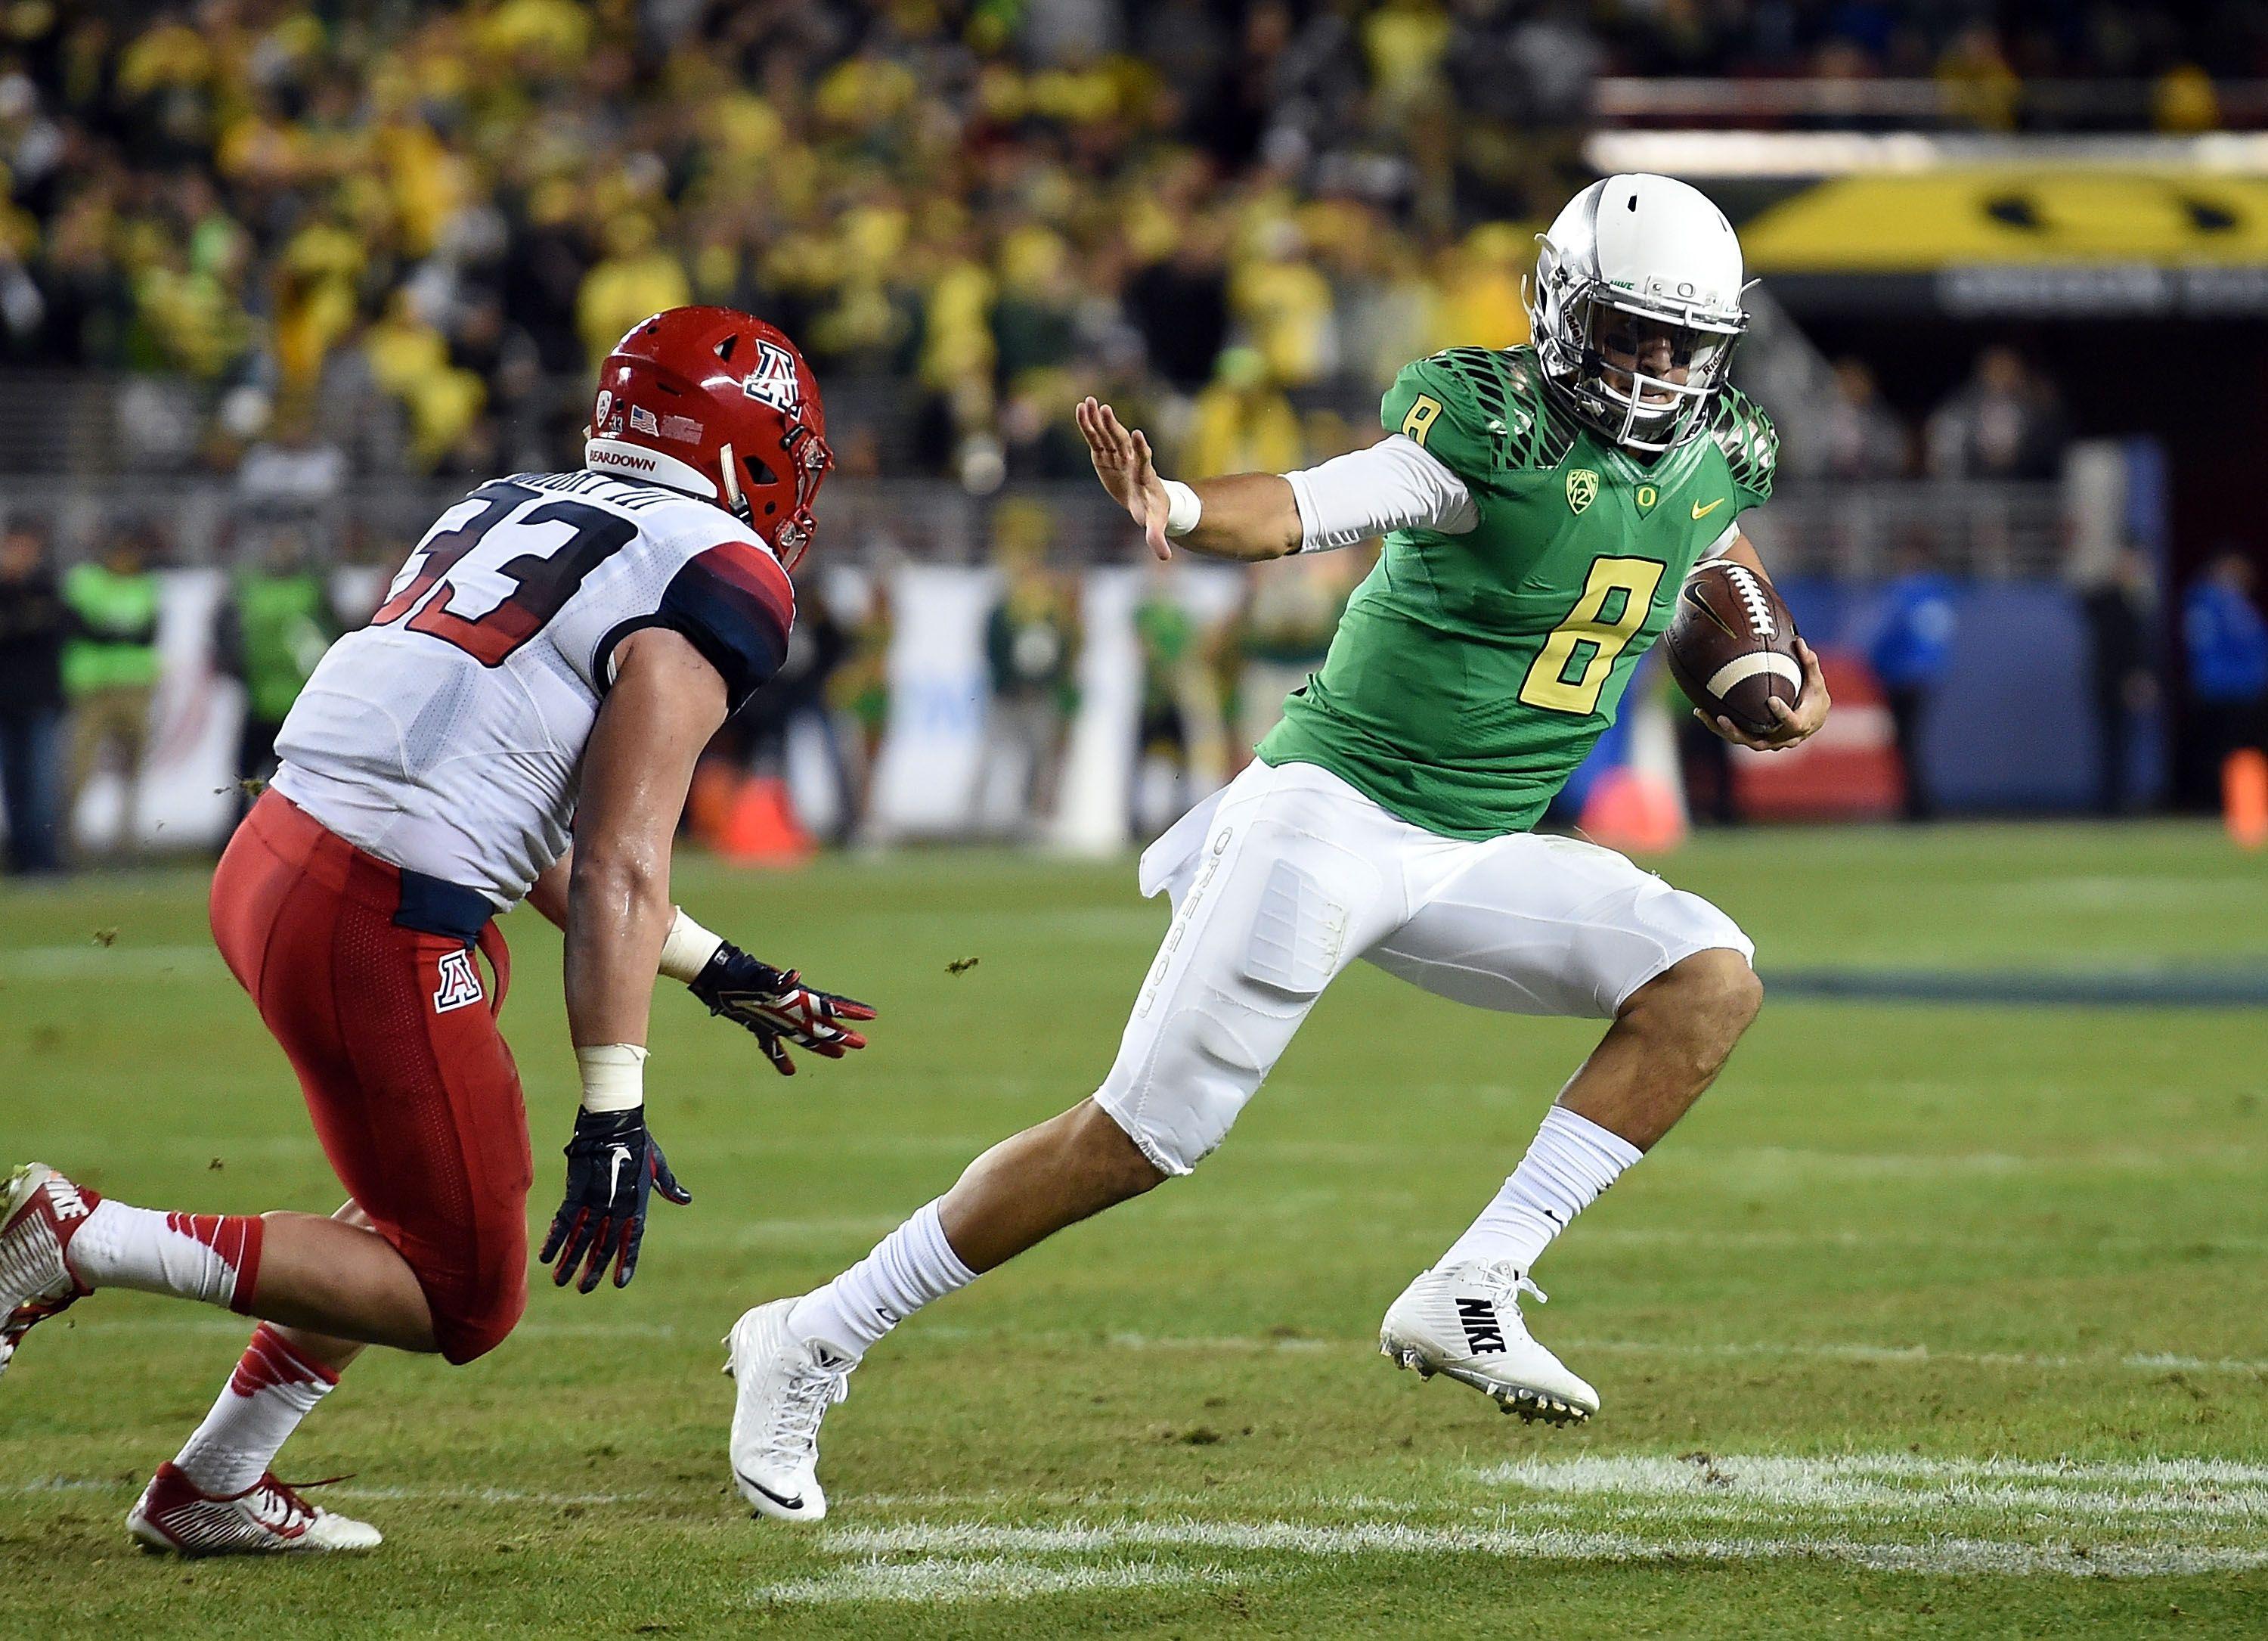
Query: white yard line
{"type": "Point", "coordinates": [1896, 1489]}
{"type": "Point", "coordinates": [1764, 1508]}
{"type": "Point", "coordinates": [1938, 1556]}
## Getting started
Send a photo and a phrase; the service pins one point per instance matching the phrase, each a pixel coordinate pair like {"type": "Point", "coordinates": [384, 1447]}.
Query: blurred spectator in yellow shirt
{"type": "Point", "coordinates": [1243, 423]}
{"type": "Point", "coordinates": [639, 277]}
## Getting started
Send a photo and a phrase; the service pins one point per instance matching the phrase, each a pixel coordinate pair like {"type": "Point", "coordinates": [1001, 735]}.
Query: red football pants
{"type": "Point", "coordinates": [413, 1092]}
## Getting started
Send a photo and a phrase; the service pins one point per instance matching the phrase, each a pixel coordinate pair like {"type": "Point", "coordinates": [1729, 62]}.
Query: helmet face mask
{"type": "Point", "coordinates": [1635, 308]}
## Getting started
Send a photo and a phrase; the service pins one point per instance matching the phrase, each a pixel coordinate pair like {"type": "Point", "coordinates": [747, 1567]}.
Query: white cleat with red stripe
{"type": "Point", "coordinates": [267, 1519]}
{"type": "Point", "coordinates": [39, 1211]}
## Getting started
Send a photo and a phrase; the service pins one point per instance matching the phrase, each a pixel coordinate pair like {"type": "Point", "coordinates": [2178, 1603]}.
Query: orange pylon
{"type": "Point", "coordinates": [1635, 811]}
{"type": "Point", "coordinates": [761, 828]}
{"type": "Point", "coordinates": [2244, 797]}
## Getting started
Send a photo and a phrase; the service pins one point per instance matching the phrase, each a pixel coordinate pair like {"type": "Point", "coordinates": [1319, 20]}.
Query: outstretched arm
{"type": "Point", "coordinates": [1248, 516]}
{"type": "Point", "coordinates": [1394, 484]}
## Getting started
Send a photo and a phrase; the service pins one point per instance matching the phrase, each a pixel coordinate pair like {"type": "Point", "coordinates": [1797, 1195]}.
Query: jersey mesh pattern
{"type": "Point", "coordinates": [1751, 443]}
{"type": "Point", "coordinates": [1508, 387]}
{"type": "Point", "coordinates": [396, 1068]}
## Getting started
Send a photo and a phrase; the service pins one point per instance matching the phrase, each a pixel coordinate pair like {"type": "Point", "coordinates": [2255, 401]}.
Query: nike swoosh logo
{"type": "Point", "coordinates": [615, 1173]}
{"type": "Point", "coordinates": [781, 1499]}
{"type": "Point", "coordinates": [1700, 512]}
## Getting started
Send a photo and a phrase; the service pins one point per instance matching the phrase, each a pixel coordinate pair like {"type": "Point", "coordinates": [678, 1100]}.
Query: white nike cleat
{"type": "Point", "coordinates": [267, 1519]}
{"type": "Point", "coordinates": [786, 1385]}
{"type": "Point", "coordinates": [39, 1210]}
{"type": "Point", "coordinates": [1464, 1321]}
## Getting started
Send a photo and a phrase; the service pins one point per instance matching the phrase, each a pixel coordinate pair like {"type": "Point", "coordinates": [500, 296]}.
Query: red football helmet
{"type": "Point", "coordinates": [713, 401]}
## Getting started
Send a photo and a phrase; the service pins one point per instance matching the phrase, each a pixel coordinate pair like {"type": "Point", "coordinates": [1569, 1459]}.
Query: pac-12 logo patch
{"type": "Point", "coordinates": [1582, 488]}
{"type": "Point", "coordinates": [773, 381]}
{"type": "Point", "coordinates": [461, 983]}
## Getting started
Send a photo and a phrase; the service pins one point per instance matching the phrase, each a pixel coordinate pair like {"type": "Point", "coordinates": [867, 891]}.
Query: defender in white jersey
{"type": "Point", "coordinates": [545, 670]}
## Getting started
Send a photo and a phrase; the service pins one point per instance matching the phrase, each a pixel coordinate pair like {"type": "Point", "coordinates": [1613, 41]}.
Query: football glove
{"type": "Point", "coordinates": [777, 1007]}
{"type": "Point", "coordinates": [613, 1164]}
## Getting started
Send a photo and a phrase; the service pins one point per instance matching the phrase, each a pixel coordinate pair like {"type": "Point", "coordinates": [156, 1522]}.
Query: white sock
{"type": "Point", "coordinates": [214, 1258]}
{"type": "Point", "coordinates": [908, 1268]}
{"type": "Point", "coordinates": [1570, 1161]}
{"type": "Point", "coordinates": [273, 1388]}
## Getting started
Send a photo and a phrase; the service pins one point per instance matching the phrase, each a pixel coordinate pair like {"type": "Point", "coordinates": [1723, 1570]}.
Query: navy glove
{"type": "Point", "coordinates": [613, 1164]}
{"type": "Point", "coordinates": [777, 1007]}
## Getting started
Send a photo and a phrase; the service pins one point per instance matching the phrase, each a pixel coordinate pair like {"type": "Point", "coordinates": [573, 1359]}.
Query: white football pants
{"type": "Point", "coordinates": [1288, 873]}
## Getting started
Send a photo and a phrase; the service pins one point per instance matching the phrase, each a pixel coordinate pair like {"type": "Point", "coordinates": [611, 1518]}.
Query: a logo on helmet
{"type": "Point", "coordinates": [604, 420]}
{"type": "Point", "coordinates": [773, 381]}
{"type": "Point", "coordinates": [1582, 488]}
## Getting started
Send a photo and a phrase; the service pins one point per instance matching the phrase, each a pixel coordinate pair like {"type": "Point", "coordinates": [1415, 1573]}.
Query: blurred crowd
{"type": "Point", "coordinates": [381, 238]}
{"type": "Point", "coordinates": [2004, 421]}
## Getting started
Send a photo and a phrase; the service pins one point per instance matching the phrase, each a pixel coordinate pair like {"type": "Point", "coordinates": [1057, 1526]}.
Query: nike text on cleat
{"type": "Point", "coordinates": [267, 1519]}
{"type": "Point", "coordinates": [782, 1387]}
{"type": "Point", "coordinates": [1465, 1324]}
{"type": "Point", "coordinates": [40, 1210]}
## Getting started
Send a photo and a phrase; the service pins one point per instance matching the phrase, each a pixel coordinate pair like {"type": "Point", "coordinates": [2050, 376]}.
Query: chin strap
{"type": "Point", "coordinates": [737, 503]}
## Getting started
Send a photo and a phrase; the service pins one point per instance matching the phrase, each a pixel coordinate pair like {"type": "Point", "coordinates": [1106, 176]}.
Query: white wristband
{"type": "Point", "coordinates": [614, 1077]}
{"type": "Point", "coordinates": [687, 949]}
{"type": "Point", "coordinates": [1183, 509]}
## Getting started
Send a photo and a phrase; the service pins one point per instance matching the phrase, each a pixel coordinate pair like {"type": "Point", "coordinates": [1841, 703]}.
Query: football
{"type": "Point", "coordinates": [1732, 645]}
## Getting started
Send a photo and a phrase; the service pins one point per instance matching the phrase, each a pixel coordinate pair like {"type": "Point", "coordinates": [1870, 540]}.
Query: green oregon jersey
{"type": "Point", "coordinates": [1471, 673]}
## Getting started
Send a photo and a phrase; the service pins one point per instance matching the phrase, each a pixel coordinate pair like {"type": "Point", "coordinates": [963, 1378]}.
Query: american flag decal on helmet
{"type": "Point", "coordinates": [773, 381]}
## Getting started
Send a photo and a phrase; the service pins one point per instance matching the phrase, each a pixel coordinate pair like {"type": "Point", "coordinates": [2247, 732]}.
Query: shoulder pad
{"type": "Point", "coordinates": [1491, 404]}
{"type": "Point", "coordinates": [1750, 445]}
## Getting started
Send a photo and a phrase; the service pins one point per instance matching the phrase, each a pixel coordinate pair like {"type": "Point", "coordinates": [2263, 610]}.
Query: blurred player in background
{"type": "Point", "coordinates": [1542, 505]}
{"type": "Point", "coordinates": [1173, 726]}
{"type": "Point", "coordinates": [35, 624]}
{"type": "Point", "coordinates": [547, 666]}
{"type": "Point", "coordinates": [1911, 652]}
{"type": "Point", "coordinates": [110, 672]}
{"type": "Point", "coordinates": [269, 635]}
{"type": "Point", "coordinates": [1032, 640]}
{"type": "Point", "coordinates": [2226, 641]}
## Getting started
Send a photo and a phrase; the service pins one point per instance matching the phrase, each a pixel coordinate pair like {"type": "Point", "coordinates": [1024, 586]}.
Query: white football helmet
{"type": "Point", "coordinates": [1654, 251]}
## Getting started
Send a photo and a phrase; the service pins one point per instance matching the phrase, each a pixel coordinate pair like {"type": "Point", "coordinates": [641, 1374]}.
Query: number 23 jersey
{"type": "Point", "coordinates": [1471, 672]}
{"type": "Point", "coordinates": [447, 735]}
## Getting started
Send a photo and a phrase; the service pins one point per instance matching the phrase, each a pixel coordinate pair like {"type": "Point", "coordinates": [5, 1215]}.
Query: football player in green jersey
{"type": "Point", "coordinates": [1541, 506]}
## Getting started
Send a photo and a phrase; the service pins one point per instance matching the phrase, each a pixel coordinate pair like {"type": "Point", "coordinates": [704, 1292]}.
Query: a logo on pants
{"type": "Point", "coordinates": [461, 983]}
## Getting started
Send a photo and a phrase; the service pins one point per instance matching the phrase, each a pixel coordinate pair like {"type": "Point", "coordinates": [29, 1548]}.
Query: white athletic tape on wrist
{"type": "Point", "coordinates": [687, 948]}
{"type": "Point", "coordinates": [1183, 509]}
{"type": "Point", "coordinates": [614, 1077]}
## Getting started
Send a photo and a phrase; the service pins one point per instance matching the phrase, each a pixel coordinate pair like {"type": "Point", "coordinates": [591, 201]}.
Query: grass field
{"type": "Point", "coordinates": [1940, 1320]}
